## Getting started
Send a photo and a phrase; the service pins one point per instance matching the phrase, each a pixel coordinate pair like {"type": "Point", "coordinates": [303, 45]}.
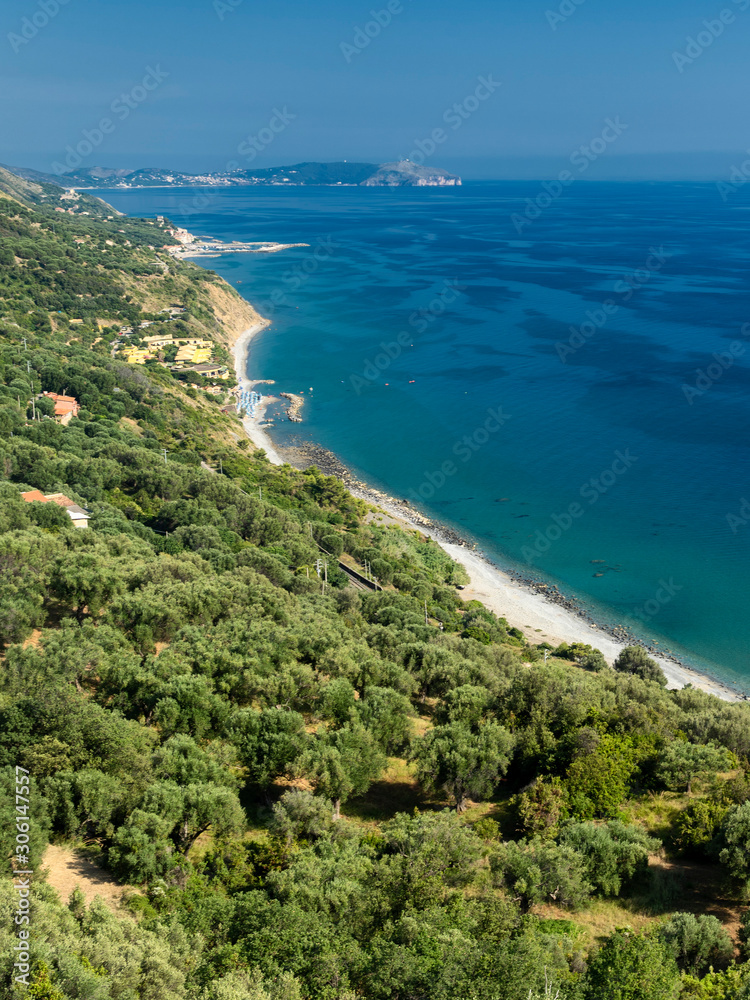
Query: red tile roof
{"type": "Point", "coordinates": [63, 404]}
{"type": "Point", "coordinates": [60, 499]}
{"type": "Point", "coordinates": [60, 397]}
{"type": "Point", "coordinates": [34, 495]}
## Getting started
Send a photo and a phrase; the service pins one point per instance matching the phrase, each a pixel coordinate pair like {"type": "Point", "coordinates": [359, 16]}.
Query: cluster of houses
{"type": "Point", "coordinates": [193, 354]}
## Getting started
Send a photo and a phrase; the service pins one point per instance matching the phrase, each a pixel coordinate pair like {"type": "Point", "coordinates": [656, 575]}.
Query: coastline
{"type": "Point", "coordinates": [540, 617]}
{"type": "Point", "coordinates": [241, 351]}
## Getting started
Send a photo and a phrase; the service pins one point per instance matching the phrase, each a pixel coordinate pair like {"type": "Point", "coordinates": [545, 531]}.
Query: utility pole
{"type": "Point", "coordinates": [221, 467]}
{"type": "Point", "coordinates": [325, 579]}
{"type": "Point", "coordinates": [24, 344]}
{"type": "Point", "coordinates": [260, 492]}
{"type": "Point", "coordinates": [164, 450]}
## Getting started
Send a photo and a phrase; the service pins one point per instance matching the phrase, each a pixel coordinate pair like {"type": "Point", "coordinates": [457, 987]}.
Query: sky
{"type": "Point", "coordinates": [503, 88]}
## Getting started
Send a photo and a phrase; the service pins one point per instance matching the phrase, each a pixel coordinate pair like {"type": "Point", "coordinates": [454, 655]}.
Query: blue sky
{"type": "Point", "coordinates": [220, 72]}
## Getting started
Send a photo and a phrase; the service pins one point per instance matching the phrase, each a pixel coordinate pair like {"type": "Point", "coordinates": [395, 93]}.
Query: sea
{"type": "Point", "coordinates": [561, 377]}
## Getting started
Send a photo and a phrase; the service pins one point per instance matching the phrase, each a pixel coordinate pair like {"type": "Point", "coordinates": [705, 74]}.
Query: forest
{"type": "Point", "coordinates": [305, 790]}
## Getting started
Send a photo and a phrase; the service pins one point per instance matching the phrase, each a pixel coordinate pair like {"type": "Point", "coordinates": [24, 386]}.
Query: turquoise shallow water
{"type": "Point", "coordinates": [448, 362]}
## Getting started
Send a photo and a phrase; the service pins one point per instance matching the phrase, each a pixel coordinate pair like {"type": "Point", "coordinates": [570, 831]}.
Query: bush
{"type": "Point", "coordinates": [333, 544]}
{"type": "Point", "coordinates": [301, 815]}
{"type": "Point", "coordinates": [542, 807]}
{"type": "Point", "coordinates": [635, 660]}
{"type": "Point", "coordinates": [487, 829]}
{"type": "Point", "coordinates": [735, 836]}
{"type": "Point", "coordinates": [697, 825]}
{"type": "Point", "coordinates": [598, 782]}
{"type": "Point", "coordinates": [629, 966]}
{"type": "Point", "coordinates": [594, 661]}
{"type": "Point", "coordinates": [614, 854]}
{"type": "Point", "coordinates": [540, 872]}
{"type": "Point", "coordinates": [697, 943]}
{"type": "Point", "coordinates": [744, 934]}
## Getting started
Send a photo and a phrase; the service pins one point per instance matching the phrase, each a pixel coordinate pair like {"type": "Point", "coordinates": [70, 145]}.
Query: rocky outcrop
{"type": "Point", "coordinates": [296, 404]}
{"type": "Point", "coordinates": [408, 174]}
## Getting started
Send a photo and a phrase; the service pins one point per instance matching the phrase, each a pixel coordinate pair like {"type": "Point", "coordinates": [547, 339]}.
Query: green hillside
{"type": "Point", "coordinates": [302, 789]}
{"type": "Point", "coordinates": [403, 173]}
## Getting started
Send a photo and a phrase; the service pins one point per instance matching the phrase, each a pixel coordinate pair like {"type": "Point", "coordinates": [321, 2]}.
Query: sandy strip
{"type": "Point", "coordinates": [252, 426]}
{"type": "Point", "coordinates": [540, 620]}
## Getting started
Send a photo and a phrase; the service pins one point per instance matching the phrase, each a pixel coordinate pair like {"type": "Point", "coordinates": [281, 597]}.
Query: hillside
{"type": "Point", "coordinates": [402, 174]}
{"type": "Point", "coordinates": [303, 789]}
{"type": "Point", "coordinates": [43, 193]}
{"type": "Point", "coordinates": [408, 174]}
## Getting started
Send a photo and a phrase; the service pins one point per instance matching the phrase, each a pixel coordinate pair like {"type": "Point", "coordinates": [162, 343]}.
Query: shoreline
{"type": "Point", "coordinates": [547, 616]}
{"type": "Point", "coordinates": [241, 351]}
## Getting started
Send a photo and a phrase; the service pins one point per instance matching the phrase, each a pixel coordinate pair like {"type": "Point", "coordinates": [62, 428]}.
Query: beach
{"type": "Point", "coordinates": [254, 431]}
{"type": "Point", "coordinates": [539, 618]}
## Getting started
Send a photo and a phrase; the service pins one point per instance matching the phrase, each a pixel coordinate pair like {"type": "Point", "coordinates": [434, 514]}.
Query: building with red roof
{"type": "Point", "coordinates": [76, 513]}
{"type": "Point", "coordinates": [66, 407]}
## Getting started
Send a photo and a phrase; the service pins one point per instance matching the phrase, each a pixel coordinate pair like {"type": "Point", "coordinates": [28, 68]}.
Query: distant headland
{"type": "Point", "coordinates": [404, 173]}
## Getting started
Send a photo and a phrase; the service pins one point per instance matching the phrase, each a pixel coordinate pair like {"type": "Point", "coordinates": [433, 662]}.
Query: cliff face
{"type": "Point", "coordinates": [234, 314]}
{"type": "Point", "coordinates": [408, 174]}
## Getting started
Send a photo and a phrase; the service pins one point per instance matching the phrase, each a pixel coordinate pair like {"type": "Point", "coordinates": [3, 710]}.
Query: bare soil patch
{"type": "Point", "coordinates": [69, 867]}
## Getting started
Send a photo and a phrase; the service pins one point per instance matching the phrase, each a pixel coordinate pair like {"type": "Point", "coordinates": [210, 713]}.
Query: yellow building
{"type": "Point", "coordinates": [137, 355]}
{"type": "Point", "coordinates": [193, 354]}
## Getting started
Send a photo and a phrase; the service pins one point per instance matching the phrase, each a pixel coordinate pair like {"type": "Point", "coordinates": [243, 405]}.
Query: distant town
{"type": "Point", "coordinates": [400, 173]}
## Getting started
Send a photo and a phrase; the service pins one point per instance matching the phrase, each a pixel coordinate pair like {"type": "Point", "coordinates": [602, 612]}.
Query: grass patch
{"type": "Point", "coordinates": [599, 919]}
{"type": "Point", "coordinates": [655, 811]}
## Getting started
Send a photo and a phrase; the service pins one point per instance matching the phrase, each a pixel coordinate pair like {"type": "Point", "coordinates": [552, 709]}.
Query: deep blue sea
{"type": "Point", "coordinates": [450, 361]}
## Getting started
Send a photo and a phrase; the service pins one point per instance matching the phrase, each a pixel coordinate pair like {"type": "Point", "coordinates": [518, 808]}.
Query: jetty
{"type": "Point", "coordinates": [296, 404]}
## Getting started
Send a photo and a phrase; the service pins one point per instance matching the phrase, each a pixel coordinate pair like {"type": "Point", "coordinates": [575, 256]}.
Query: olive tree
{"type": "Point", "coordinates": [681, 762]}
{"type": "Point", "coordinates": [697, 942]}
{"type": "Point", "coordinates": [463, 762]}
{"type": "Point", "coordinates": [635, 660]}
{"type": "Point", "coordinates": [537, 872]}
